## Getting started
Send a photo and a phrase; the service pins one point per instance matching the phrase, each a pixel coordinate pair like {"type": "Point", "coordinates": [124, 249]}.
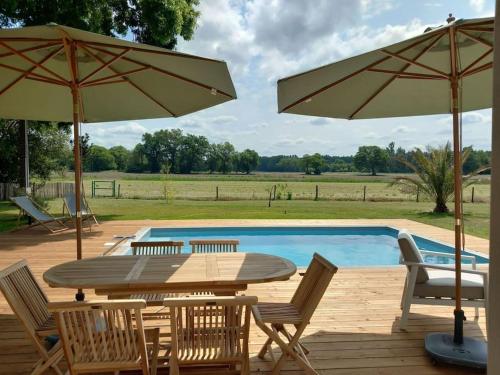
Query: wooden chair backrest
{"type": "Point", "coordinates": [209, 329]}
{"type": "Point", "coordinates": [157, 247]}
{"type": "Point", "coordinates": [313, 286]}
{"type": "Point", "coordinates": [214, 246]}
{"type": "Point", "coordinates": [107, 333]}
{"type": "Point", "coordinates": [25, 297]}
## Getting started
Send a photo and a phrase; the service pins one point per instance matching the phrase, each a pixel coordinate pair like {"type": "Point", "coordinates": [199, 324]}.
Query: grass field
{"type": "Point", "coordinates": [476, 215]}
{"type": "Point", "coordinates": [331, 186]}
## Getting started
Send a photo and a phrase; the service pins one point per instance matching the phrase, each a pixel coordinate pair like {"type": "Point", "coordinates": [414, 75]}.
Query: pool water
{"type": "Point", "coordinates": [343, 246]}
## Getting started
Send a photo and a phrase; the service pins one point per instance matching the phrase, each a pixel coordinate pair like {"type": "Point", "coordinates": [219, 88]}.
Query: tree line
{"type": "Point", "coordinates": [172, 151]}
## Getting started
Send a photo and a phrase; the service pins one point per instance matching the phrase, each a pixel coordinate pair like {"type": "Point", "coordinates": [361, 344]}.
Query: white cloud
{"type": "Point", "coordinates": [403, 129]}
{"type": "Point", "coordinates": [477, 5]}
{"type": "Point", "coordinates": [263, 40]}
{"type": "Point", "coordinates": [372, 8]}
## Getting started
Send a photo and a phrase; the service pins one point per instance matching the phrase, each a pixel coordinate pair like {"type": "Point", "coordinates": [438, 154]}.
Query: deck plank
{"type": "Point", "coordinates": [354, 331]}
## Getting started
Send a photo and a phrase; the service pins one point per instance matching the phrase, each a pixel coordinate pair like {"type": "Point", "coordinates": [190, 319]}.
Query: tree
{"type": "Point", "coordinates": [99, 159]}
{"type": "Point", "coordinates": [313, 164]}
{"type": "Point", "coordinates": [192, 153]}
{"type": "Point", "coordinates": [371, 159]}
{"type": "Point", "coordinates": [434, 174]}
{"type": "Point", "coordinates": [213, 158]}
{"type": "Point", "coordinates": [121, 155]}
{"type": "Point", "coordinates": [156, 22]}
{"type": "Point", "coordinates": [137, 162]}
{"type": "Point", "coordinates": [227, 155]}
{"type": "Point", "coordinates": [48, 143]}
{"type": "Point", "coordinates": [248, 161]}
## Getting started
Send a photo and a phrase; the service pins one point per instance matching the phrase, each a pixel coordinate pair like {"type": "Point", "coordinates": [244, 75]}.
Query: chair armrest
{"type": "Point", "coordinates": [445, 268]}
{"type": "Point", "coordinates": [472, 258]}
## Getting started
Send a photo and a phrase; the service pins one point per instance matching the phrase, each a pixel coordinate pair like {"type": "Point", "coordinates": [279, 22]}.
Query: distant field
{"type": "Point", "coordinates": [297, 186]}
{"type": "Point", "coordinates": [244, 197]}
{"type": "Point", "coordinates": [476, 215]}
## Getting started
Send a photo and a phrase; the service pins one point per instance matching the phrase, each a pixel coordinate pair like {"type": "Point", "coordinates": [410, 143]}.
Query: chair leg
{"type": "Point", "coordinates": [407, 297]}
{"type": "Point", "coordinates": [405, 287]}
{"type": "Point", "coordinates": [287, 349]}
{"type": "Point", "coordinates": [263, 350]}
{"type": "Point", "coordinates": [45, 363]}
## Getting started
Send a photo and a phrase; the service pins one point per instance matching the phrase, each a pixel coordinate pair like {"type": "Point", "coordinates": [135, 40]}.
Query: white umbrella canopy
{"type": "Point", "coordinates": [409, 78]}
{"type": "Point", "coordinates": [117, 79]}
{"type": "Point", "coordinates": [447, 69]}
{"type": "Point", "coordinates": [58, 73]}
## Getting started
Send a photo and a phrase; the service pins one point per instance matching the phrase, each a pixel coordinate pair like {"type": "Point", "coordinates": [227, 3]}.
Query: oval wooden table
{"type": "Point", "coordinates": [222, 273]}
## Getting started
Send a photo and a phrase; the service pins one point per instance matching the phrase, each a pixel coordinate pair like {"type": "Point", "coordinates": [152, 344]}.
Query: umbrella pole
{"type": "Point", "coordinates": [80, 296]}
{"type": "Point", "coordinates": [458, 336]}
{"type": "Point", "coordinates": [442, 347]}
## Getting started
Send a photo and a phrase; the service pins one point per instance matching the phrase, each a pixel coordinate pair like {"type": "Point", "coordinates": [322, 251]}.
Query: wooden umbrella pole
{"type": "Point", "coordinates": [457, 160]}
{"type": "Point", "coordinates": [80, 296]}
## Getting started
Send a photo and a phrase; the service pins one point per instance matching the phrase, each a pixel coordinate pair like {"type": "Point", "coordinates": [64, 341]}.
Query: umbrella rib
{"type": "Point", "coordinates": [28, 72]}
{"type": "Point", "coordinates": [128, 80]}
{"type": "Point", "coordinates": [329, 86]}
{"type": "Point", "coordinates": [390, 80]}
{"type": "Point", "coordinates": [108, 82]}
{"type": "Point", "coordinates": [483, 29]}
{"type": "Point", "coordinates": [104, 66]}
{"type": "Point", "coordinates": [22, 55]}
{"type": "Point", "coordinates": [40, 76]}
{"type": "Point", "coordinates": [166, 72]}
{"type": "Point", "coordinates": [167, 53]}
{"type": "Point", "coordinates": [399, 57]}
{"type": "Point", "coordinates": [479, 69]}
{"type": "Point", "coordinates": [54, 82]}
{"type": "Point", "coordinates": [34, 48]}
{"type": "Point", "coordinates": [103, 79]}
{"type": "Point", "coordinates": [476, 38]}
{"type": "Point", "coordinates": [401, 74]}
{"type": "Point", "coordinates": [471, 65]}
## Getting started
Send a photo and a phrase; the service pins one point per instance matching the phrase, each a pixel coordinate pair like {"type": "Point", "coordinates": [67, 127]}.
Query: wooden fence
{"type": "Point", "coordinates": [49, 190]}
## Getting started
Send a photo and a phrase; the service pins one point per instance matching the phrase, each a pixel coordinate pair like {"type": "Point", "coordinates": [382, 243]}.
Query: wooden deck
{"type": "Point", "coordinates": [354, 331]}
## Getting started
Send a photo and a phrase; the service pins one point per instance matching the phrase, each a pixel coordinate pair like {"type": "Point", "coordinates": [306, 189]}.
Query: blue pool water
{"type": "Point", "coordinates": [344, 246]}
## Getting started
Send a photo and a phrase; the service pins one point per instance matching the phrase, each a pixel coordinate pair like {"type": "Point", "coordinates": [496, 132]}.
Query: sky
{"type": "Point", "coordinates": [264, 40]}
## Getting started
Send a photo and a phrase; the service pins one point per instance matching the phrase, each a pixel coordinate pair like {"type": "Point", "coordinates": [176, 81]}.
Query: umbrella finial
{"type": "Point", "coordinates": [450, 18]}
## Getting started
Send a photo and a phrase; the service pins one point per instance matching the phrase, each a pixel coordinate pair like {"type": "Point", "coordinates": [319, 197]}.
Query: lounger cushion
{"type": "Point", "coordinates": [442, 284]}
{"type": "Point", "coordinates": [410, 253]}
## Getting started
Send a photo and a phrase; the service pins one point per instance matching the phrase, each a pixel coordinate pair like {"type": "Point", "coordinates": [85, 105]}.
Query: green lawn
{"type": "Point", "coordinates": [476, 215]}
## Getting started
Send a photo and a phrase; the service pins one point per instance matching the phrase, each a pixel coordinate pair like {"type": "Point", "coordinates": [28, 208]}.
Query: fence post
{"type": "Point", "coordinates": [418, 193]}
{"type": "Point", "coordinates": [472, 198]}
{"type": "Point", "coordinates": [364, 193]}
{"type": "Point", "coordinates": [216, 193]}
{"type": "Point", "coordinates": [114, 188]}
{"type": "Point", "coordinates": [93, 188]}
{"type": "Point", "coordinates": [317, 193]}
{"type": "Point", "coordinates": [270, 197]}
{"type": "Point", "coordinates": [118, 195]}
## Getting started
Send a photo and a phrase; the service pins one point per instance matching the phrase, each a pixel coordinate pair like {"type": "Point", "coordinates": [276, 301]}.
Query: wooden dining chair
{"type": "Point", "coordinates": [154, 248]}
{"type": "Point", "coordinates": [157, 247]}
{"type": "Point", "coordinates": [29, 303]}
{"type": "Point", "coordinates": [214, 246]}
{"type": "Point", "coordinates": [273, 317]}
{"type": "Point", "coordinates": [210, 331]}
{"type": "Point", "coordinates": [105, 336]}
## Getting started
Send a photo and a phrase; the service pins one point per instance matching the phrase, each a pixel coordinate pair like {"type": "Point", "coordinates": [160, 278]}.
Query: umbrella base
{"type": "Point", "coordinates": [472, 353]}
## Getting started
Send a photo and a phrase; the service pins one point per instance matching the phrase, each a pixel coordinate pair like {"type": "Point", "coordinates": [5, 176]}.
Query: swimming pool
{"type": "Point", "coordinates": [344, 246]}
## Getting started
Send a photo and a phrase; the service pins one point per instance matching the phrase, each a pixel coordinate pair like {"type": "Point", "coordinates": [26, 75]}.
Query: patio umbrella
{"type": "Point", "coordinates": [58, 73]}
{"type": "Point", "coordinates": [445, 70]}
